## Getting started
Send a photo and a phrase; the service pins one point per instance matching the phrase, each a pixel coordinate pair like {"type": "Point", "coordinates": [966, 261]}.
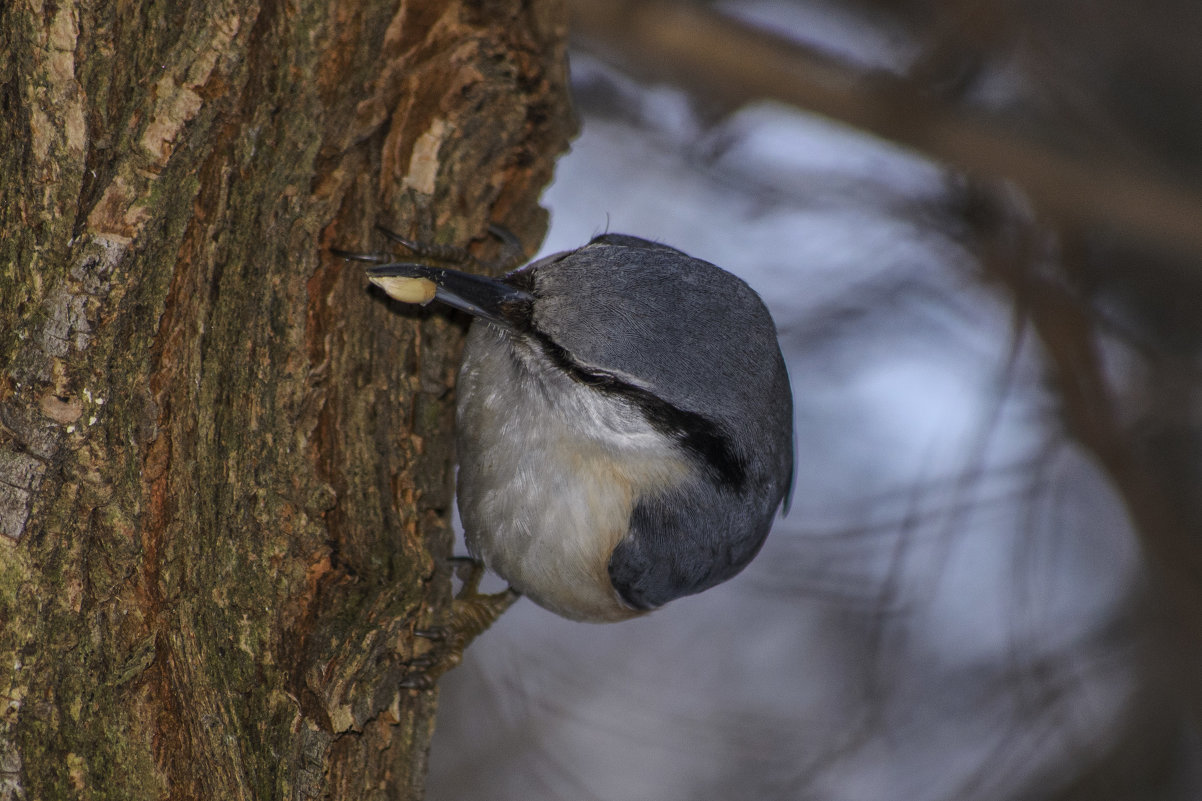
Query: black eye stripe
{"type": "Point", "coordinates": [695, 433]}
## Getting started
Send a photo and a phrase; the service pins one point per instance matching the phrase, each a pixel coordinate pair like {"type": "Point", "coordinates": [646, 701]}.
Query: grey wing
{"type": "Point", "coordinates": [685, 541]}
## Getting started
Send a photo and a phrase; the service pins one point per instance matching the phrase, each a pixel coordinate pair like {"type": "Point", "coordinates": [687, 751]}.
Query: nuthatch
{"type": "Point", "coordinates": [624, 422]}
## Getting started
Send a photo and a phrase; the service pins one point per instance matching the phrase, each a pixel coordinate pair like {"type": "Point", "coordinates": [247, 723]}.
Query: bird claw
{"type": "Point", "coordinates": [433, 633]}
{"type": "Point", "coordinates": [472, 612]}
{"type": "Point", "coordinates": [350, 255]}
{"type": "Point", "coordinates": [469, 571]}
{"type": "Point", "coordinates": [417, 681]}
{"type": "Point", "coordinates": [511, 251]}
{"type": "Point", "coordinates": [450, 254]}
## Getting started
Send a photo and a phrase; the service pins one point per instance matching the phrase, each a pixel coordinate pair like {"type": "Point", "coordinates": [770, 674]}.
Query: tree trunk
{"type": "Point", "coordinates": [225, 467]}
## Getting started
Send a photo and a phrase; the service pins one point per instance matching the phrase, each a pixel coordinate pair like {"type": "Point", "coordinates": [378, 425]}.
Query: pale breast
{"type": "Point", "coordinates": [549, 471]}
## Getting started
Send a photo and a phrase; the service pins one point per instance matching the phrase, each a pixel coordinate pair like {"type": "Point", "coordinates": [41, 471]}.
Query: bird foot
{"type": "Point", "coordinates": [472, 612]}
{"type": "Point", "coordinates": [511, 254]}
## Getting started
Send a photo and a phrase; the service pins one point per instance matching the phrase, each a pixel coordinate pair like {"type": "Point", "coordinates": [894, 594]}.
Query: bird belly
{"type": "Point", "coordinates": [549, 471]}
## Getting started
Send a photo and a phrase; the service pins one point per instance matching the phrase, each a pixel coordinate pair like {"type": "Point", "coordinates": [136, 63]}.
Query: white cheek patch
{"type": "Point", "coordinates": [406, 290]}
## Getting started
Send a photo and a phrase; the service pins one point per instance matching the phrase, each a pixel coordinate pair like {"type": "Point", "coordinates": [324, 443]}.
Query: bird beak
{"type": "Point", "coordinates": [478, 295]}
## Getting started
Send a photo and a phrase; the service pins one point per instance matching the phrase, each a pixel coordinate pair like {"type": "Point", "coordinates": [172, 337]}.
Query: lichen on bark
{"type": "Point", "coordinates": [224, 465]}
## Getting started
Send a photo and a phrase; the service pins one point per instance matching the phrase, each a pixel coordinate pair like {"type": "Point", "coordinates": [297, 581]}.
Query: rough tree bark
{"type": "Point", "coordinates": [225, 467]}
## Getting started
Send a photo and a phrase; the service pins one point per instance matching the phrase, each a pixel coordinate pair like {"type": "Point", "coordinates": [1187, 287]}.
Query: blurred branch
{"type": "Point", "coordinates": [1010, 252]}
{"type": "Point", "coordinates": [719, 56]}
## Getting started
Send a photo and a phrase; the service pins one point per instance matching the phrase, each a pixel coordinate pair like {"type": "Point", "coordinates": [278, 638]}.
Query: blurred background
{"type": "Point", "coordinates": [978, 225]}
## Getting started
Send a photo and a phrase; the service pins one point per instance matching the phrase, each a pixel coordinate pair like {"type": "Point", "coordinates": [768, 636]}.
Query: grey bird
{"type": "Point", "coordinates": [625, 423]}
